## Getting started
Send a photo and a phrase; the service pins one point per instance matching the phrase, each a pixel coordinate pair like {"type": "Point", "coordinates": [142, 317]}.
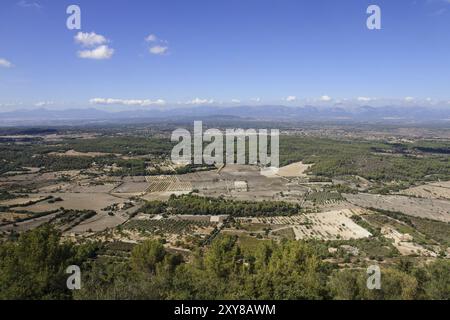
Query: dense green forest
{"type": "Point", "coordinates": [372, 160]}
{"type": "Point", "coordinates": [33, 267]}
{"type": "Point", "coordinates": [125, 145]}
{"type": "Point", "coordinates": [17, 156]}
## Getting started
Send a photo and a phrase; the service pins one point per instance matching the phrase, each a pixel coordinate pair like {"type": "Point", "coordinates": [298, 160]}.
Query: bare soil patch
{"type": "Point", "coordinates": [296, 169]}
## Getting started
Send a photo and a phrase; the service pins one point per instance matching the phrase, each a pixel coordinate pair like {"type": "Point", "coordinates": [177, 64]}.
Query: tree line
{"type": "Point", "coordinates": [197, 205]}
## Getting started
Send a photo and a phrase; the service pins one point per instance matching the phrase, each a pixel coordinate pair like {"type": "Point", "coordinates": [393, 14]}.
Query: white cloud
{"type": "Point", "coordinates": [235, 100]}
{"type": "Point", "coordinates": [15, 104]}
{"type": "Point", "coordinates": [325, 98]}
{"type": "Point", "coordinates": [5, 63]}
{"type": "Point", "coordinates": [364, 99]}
{"type": "Point", "coordinates": [291, 98]}
{"type": "Point", "coordinates": [90, 39]}
{"type": "Point", "coordinates": [257, 99]}
{"type": "Point", "coordinates": [160, 50]}
{"type": "Point", "coordinates": [26, 4]}
{"type": "Point", "coordinates": [99, 53]}
{"type": "Point", "coordinates": [151, 38]}
{"type": "Point", "coordinates": [409, 99]}
{"type": "Point", "coordinates": [128, 102]}
{"type": "Point", "coordinates": [158, 46]}
{"type": "Point", "coordinates": [198, 101]}
{"type": "Point", "coordinates": [44, 103]}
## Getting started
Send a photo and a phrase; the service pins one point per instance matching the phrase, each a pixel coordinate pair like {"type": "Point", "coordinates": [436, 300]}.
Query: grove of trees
{"type": "Point", "coordinates": [33, 267]}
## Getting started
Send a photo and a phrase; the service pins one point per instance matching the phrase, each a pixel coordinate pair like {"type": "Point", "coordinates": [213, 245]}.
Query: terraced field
{"type": "Point", "coordinates": [331, 225]}
{"type": "Point", "coordinates": [167, 184]}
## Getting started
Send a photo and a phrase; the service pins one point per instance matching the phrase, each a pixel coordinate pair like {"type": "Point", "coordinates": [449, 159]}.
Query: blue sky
{"type": "Point", "coordinates": [228, 52]}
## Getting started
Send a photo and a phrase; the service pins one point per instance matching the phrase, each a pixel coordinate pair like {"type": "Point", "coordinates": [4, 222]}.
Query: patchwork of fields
{"type": "Point", "coordinates": [329, 207]}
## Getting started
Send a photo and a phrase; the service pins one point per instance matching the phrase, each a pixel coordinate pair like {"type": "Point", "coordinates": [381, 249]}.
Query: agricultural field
{"type": "Point", "coordinates": [417, 207]}
{"type": "Point", "coordinates": [434, 190]}
{"type": "Point", "coordinates": [132, 185]}
{"type": "Point", "coordinates": [167, 184]}
{"type": "Point", "coordinates": [22, 201]}
{"type": "Point", "coordinates": [293, 170]}
{"type": "Point", "coordinates": [332, 225]}
{"type": "Point", "coordinates": [324, 197]}
{"type": "Point", "coordinates": [73, 153]}
{"type": "Point", "coordinates": [76, 201]}
{"type": "Point", "coordinates": [10, 217]}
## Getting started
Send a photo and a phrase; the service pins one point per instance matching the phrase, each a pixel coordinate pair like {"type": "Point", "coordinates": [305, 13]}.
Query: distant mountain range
{"type": "Point", "coordinates": [278, 113]}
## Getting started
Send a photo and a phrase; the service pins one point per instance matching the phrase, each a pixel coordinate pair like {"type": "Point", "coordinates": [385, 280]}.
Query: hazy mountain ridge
{"type": "Point", "coordinates": [306, 113]}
